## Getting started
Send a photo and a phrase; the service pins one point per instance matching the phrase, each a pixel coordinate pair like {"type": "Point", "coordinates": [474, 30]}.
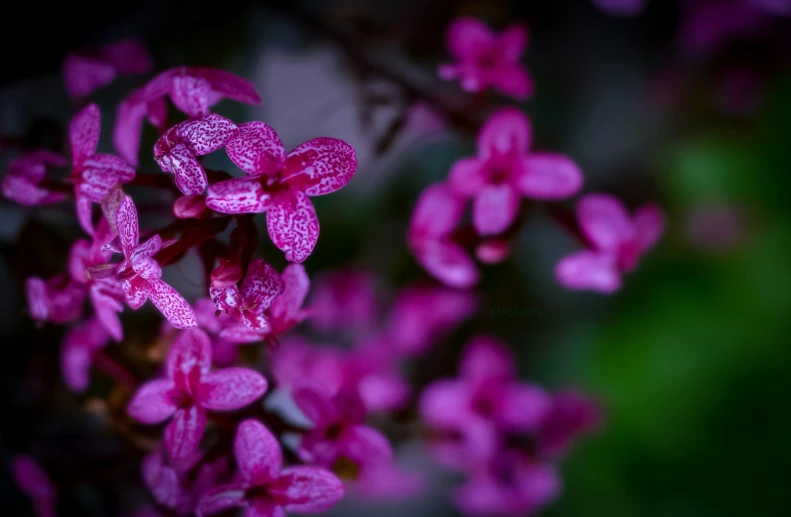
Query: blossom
{"type": "Point", "coordinates": [487, 60]}
{"type": "Point", "coordinates": [338, 430]}
{"type": "Point", "coordinates": [621, 7]}
{"type": "Point", "coordinates": [177, 150]}
{"type": "Point", "coordinates": [344, 299]}
{"type": "Point", "coordinates": [571, 415]}
{"type": "Point", "coordinates": [79, 346]}
{"type": "Point", "coordinates": [280, 184]}
{"type": "Point", "coordinates": [505, 171]}
{"type": "Point", "coordinates": [192, 90]}
{"type": "Point", "coordinates": [87, 71]}
{"type": "Point", "coordinates": [94, 175]}
{"type": "Point", "coordinates": [34, 482]}
{"type": "Point", "coordinates": [430, 237]}
{"type": "Point", "coordinates": [57, 300]}
{"type": "Point", "coordinates": [267, 489]}
{"type": "Point", "coordinates": [140, 272]}
{"type": "Point", "coordinates": [297, 363]}
{"type": "Point", "coordinates": [25, 173]}
{"type": "Point", "coordinates": [617, 242]}
{"type": "Point", "coordinates": [484, 400]}
{"type": "Point", "coordinates": [190, 390]}
{"type": "Point", "coordinates": [223, 352]}
{"type": "Point", "coordinates": [512, 485]}
{"type": "Point", "coordinates": [170, 487]}
{"type": "Point", "coordinates": [261, 285]}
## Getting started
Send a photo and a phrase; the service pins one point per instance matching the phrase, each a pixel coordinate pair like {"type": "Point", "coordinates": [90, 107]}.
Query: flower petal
{"type": "Point", "coordinates": [207, 134]}
{"type": "Point", "coordinates": [264, 507]}
{"type": "Point", "coordinates": [128, 127]}
{"type": "Point", "coordinates": [191, 349]}
{"type": "Point", "coordinates": [448, 262]}
{"type": "Point", "coordinates": [231, 388]}
{"type": "Point", "coordinates": [307, 489]}
{"type": "Point", "coordinates": [512, 80]}
{"type": "Point", "coordinates": [288, 305]}
{"type": "Point", "coordinates": [31, 478]}
{"type": "Point", "coordinates": [511, 42]}
{"type": "Point", "coordinates": [135, 293]}
{"type": "Point", "coordinates": [549, 176]}
{"type": "Point", "coordinates": [523, 407]}
{"type": "Point", "coordinates": [190, 176]}
{"type": "Point", "coordinates": [239, 196]}
{"type": "Point", "coordinates": [261, 285]}
{"type": "Point", "coordinates": [293, 226]}
{"type": "Point", "coordinates": [222, 497]}
{"type": "Point", "coordinates": [101, 173]}
{"type": "Point", "coordinates": [469, 38]}
{"type": "Point", "coordinates": [106, 308]}
{"type": "Point", "coordinates": [126, 222]}
{"type": "Point", "coordinates": [128, 56]}
{"type": "Point", "coordinates": [484, 359]}
{"type": "Point", "coordinates": [320, 166]}
{"type": "Point", "coordinates": [257, 452]}
{"type": "Point", "coordinates": [37, 298]}
{"type": "Point", "coordinates": [162, 481]}
{"type": "Point", "coordinates": [364, 445]}
{"type": "Point", "coordinates": [436, 214]}
{"type": "Point", "coordinates": [506, 133]}
{"type": "Point", "coordinates": [230, 85]}
{"type": "Point", "coordinates": [152, 403]}
{"type": "Point", "coordinates": [494, 209]}
{"type": "Point", "coordinates": [256, 149]}
{"type": "Point", "coordinates": [82, 75]}
{"type": "Point", "coordinates": [316, 406]}
{"type": "Point", "coordinates": [445, 404]}
{"type": "Point", "coordinates": [650, 224]}
{"type": "Point", "coordinates": [190, 95]}
{"type": "Point", "coordinates": [84, 133]}
{"type": "Point", "coordinates": [183, 434]}
{"type": "Point", "coordinates": [171, 304]}
{"type": "Point", "coordinates": [467, 177]}
{"type": "Point", "coordinates": [604, 220]}
{"type": "Point", "coordinates": [588, 270]}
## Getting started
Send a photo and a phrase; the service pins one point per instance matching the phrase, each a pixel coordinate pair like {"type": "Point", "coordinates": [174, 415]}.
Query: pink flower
{"type": "Point", "coordinates": [57, 300]}
{"type": "Point", "coordinates": [621, 7]}
{"type": "Point", "coordinates": [267, 489]}
{"type": "Point", "coordinates": [22, 181]}
{"type": "Point", "coordinates": [223, 352]}
{"type": "Point", "coordinates": [338, 430]}
{"type": "Point", "coordinates": [707, 27]}
{"type": "Point", "coordinates": [261, 285]}
{"type": "Point", "coordinates": [505, 171]}
{"type": "Point", "coordinates": [617, 243]}
{"type": "Point", "coordinates": [169, 485]}
{"type": "Point", "coordinates": [94, 175]}
{"type": "Point", "coordinates": [77, 350]}
{"type": "Point", "coordinates": [487, 60]}
{"type": "Point", "coordinates": [372, 369]}
{"type": "Point", "coordinates": [284, 313]}
{"type": "Point", "coordinates": [87, 71]}
{"type": "Point", "coordinates": [485, 399]}
{"type": "Point", "coordinates": [386, 481]}
{"type": "Point", "coordinates": [34, 482]}
{"type": "Point", "coordinates": [141, 272]}
{"type": "Point", "coordinates": [177, 150]}
{"type": "Point", "coordinates": [436, 216]}
{"type": "Point", "coordinates": [192, 90]}
{"type": "Point", "coordinates": [423, 314]}
{"type": "Point", "coordinates": [345, 300]}
{"type": "Point", "coordinates": [572, 415]}
{"type": "Point", "coordinates": [280, 184]}
{"type": "Point", "coordinates": [190, 390]}
{"type": "Point", "coordinates": [510, 486]}
{"type": "Point", "coordinates": [298, 363]}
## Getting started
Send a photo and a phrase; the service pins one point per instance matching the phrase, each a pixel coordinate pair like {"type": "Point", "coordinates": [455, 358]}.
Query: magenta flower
{"type": "Point", "coordinates": [57, 300]}
{"type": "Point", "coordinates": [485, 399]}
{"type": "Point", "coordinates": [510, 486]}
{"type": "Point", "coordinates": [372, 369]}
{"type": "Point", "coordinates": [621, 7]}
{"type": "Point", "coordinates": [280, 184]}
{"type": "Point", "coordinates": [617, 242]}
{"type": "Point", "coordinates": [571, 415]}
{"type": "Point", "coordinates": [223, 352]}
{"type": "Point", "coordinates": [169, 485]}
{"type": "Point", "coordinates": [283, 314]}
{"type": "Point", "coordinates": [192, 90]}
{"type": "Point", "coordinates": [79, 346]}
{"type": "Point", "coordinates": [505, 171]}
{"type": "Point", "coordinates": [140, 272]}
{"type": "Point", "coordinates": [436, 216]}
{"type": "Point", "coordinates": [94, 175]}
{"type": "Point", "coordinates": [338, 429]}
{"type": "Point", "coordinates": [345, 300]}
{"type": "Point", "coordinates": [177, 150]}
{"type": "Point", "coordinates": [34, 482]}
{"type": "Point", "coordinates": [87, 71]}
{"type": "Point", "coordinates": [190, 390]}
{"type": "Point", "coordinates": [487, 60]}
{"type": "Point", "coordinates": [267, 489]}
{"type": "Point", "coordinates": [421, 315]}
{"type": "Point", "coordinates": [261, 285]}
{"type": "Point", "coordinates": [297, 363]}
{"type": "Point", "coordinates": [22, 181]}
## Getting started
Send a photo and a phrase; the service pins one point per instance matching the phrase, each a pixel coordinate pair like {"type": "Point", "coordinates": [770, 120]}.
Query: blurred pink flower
{"type": "Point", "coordinates": [505, 171]}
{"type": "Point", "coordinates": [280, 184]}
{"type": "Point", "coordinates": [572, 414]}
{"type": "Point", "coordinates": [192, 90]}
{"type": "Point", "coordinates": [24, 175]}
{"type": "Point", "coordinates": [33, 481]}
{"type": "Point", "coordinates": [57, 300]}
{"type": "Point", "coordinates": [266, 488]}
{"type": "Point", "coordinates": [79, 345]}
{"type": "Point", "coordinates": [430, 237]}
{"type": "Point", "coordinates": [223, 352]}
{"type": "Point", "coordinates": [344, 300]}
{"type": "Point", "coordinates": [189, 390]}
{"type": "Point", "coordinates": [298, 363]}
{"type": "Point", "coordinates": [708, 26]}
{"type": "Point", "coordinates": [94, 175]}
{"type": "Point", "coordinates": [485, 399]}
{"type": "Point", "coordinates": [617, 240]}
{"type": "Point", "coordinates": [86, 71]}
{"type": "Point", "coordinates": [487, 60]}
